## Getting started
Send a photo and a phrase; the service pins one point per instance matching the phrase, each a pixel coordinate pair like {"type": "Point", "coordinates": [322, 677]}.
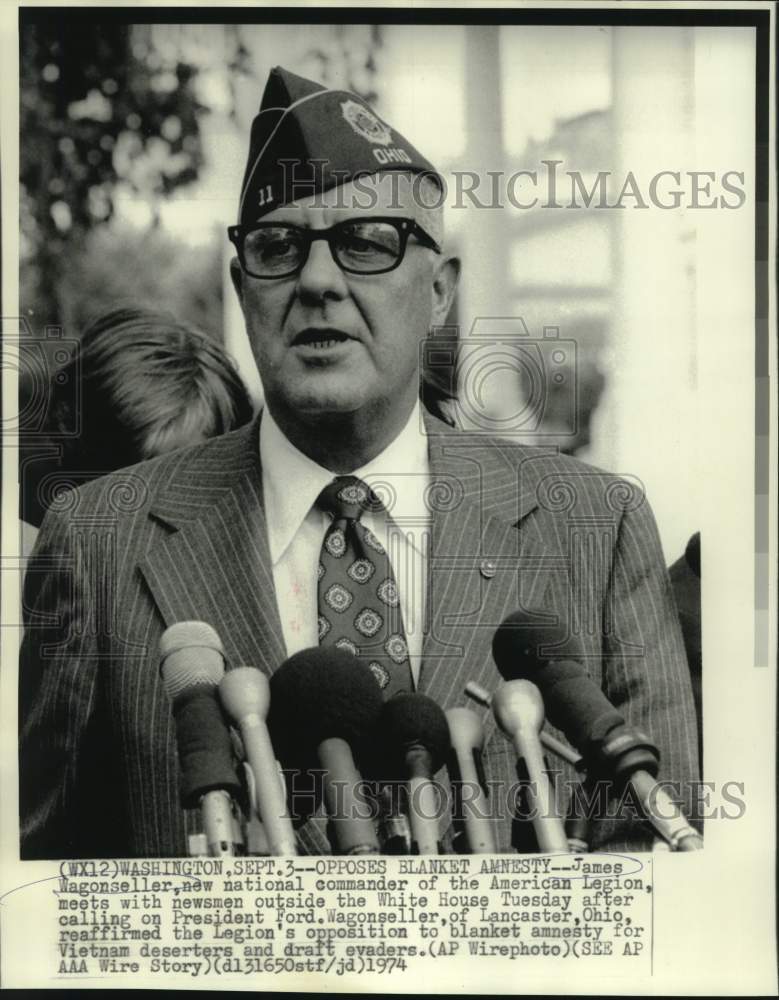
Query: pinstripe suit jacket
{"type": "Point", "coordinates": [183, 537]}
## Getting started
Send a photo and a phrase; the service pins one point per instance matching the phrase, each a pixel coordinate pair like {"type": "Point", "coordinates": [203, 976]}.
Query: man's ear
{"type": "Point", "coordinates": [444, 286]}
{"type": "Point", "coordinates": [236, 274]}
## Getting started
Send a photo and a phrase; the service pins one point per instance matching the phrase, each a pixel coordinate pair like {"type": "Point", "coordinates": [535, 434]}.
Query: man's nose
{"type": "Point", "coordinates": [320, 276]}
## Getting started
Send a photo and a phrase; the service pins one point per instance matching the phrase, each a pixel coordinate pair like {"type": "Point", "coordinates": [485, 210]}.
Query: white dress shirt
{"type": "Point", "coordinates": [400, 476]}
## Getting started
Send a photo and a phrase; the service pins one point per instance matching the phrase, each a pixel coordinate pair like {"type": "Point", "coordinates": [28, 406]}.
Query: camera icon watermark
{"type": "Point", "coordinates": [508, 383]}
{"type": "Point", "coordinates": [45, 366]}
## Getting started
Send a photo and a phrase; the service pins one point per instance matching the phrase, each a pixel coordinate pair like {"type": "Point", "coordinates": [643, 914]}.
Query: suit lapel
{"type": "Point", "coordinates": [483, 565]}
{"type": "Point", "coordinates": [215, 567]}
{"type": "Point", "coordinates": [487, 561]}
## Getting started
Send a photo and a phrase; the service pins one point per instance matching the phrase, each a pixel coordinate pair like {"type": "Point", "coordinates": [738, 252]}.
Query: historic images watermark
{"type": "Point", "coordinates": [597, 799]}
{"type": "Point", "coordinates": [550, 184]}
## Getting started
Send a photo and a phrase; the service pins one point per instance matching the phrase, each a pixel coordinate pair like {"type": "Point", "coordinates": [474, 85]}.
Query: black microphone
{"type": "Point", "coordinates": [416, 737]}
{"type": "Point", "coordinates": [576, 705]}
{"type": "Point", "coordinates": [326, 707]}
{"type": "Point", "coordinates": [191, 665]}
{"type": "Point", "coordinates": [394, 827]}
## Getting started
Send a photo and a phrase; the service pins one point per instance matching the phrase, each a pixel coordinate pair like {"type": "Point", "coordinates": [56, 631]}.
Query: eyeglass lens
{"type": "Point", "coordinates": [359, 246]}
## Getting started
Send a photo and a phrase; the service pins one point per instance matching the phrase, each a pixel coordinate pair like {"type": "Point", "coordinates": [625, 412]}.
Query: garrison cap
{"type": "Point", "coordinates": [307, 139]}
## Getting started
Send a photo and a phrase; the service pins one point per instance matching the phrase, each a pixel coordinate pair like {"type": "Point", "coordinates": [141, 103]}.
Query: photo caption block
{"type": "Point", "coordinates": [330, 919]}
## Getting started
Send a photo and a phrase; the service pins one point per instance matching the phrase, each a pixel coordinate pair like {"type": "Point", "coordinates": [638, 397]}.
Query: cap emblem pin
{"type": "Point", "coordinates": [365, 123]}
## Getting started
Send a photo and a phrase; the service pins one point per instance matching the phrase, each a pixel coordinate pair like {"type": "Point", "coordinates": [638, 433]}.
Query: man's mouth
{"type": "Point", "coordinates": [320, 338]}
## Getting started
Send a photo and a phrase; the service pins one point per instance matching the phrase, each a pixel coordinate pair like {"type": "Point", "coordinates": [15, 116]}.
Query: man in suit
{"type": "Point", "coordinates": [341, 274]}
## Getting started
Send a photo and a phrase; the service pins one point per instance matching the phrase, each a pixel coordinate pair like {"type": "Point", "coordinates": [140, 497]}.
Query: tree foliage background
{"type": "Point", "coordinates": [112, 110]}
{"type": "Point", "coordinates": [105, 112]}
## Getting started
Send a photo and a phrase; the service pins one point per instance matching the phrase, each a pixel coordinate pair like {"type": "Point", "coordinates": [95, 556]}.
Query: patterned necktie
{"type": "Point", "coordinates": [359, 609]}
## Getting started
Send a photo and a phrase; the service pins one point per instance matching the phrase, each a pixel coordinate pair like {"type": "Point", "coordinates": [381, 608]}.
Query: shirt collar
{"type": "Point", "coordinates": [291, 481]}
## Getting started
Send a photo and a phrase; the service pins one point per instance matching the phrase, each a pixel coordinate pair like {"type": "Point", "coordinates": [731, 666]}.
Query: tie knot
{"type": "Point", "coordinates": [349, 497]}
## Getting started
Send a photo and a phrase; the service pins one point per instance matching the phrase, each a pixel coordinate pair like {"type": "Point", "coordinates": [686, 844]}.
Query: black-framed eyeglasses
{"type": "Point", "coordinates": [371, 245]}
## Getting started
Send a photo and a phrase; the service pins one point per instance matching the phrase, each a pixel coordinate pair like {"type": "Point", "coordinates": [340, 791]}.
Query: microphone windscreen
{"type": "Point", "coordinates": [204, 746]}
{"type": "Point", "coordinates": [317, 694]}
{"type": "Point", "coordinates": [412, 720]}
{"type": "Point", "coordinates": [521, 643]}
{"type": "Point", "coordinates": [190, 654]}
{"type": "Point", "coordinates": [574, 703]}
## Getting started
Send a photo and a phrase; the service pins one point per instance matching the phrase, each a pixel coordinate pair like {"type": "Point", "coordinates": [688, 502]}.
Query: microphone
{"type": "Point", "coordinates": [519, 711]}
{"type": "Point", "coordinates": [394, 827]}
{"type": "Point", "coordinates": [467, 737]}
{"type": "Point", "coordinates": [577, 823]}
{"type": "Point", "coordinates": [416, 733]}
{"type": "Point", "coordinates": [577, 706]}
{"type": "Point", "coordinates": [191, 666]}
{"type": "Point", "coordinates": [245, 696]}
{"type": "Point", "coordinates": [561, 750]}
{"type": "Point", "coordinates": [326, 706]}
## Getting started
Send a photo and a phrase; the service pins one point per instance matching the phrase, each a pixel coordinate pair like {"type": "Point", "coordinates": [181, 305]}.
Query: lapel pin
{"type": "Point", "coordinates": [488, 569]}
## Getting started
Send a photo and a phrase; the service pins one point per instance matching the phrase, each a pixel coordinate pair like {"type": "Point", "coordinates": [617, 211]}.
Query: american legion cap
{"type": "Point", "coordinates": [307, 139]}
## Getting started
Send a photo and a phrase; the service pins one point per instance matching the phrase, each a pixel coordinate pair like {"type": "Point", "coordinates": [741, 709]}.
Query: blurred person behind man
{"type": "Point", "coordinates": [148, 383]}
